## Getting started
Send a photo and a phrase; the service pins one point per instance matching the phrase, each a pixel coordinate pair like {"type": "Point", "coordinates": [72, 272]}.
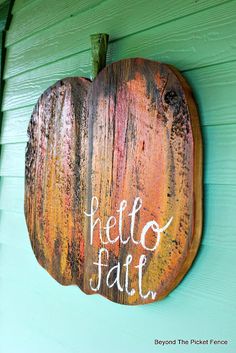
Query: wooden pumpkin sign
{"type": "Point", "coordinates": [113, 188]}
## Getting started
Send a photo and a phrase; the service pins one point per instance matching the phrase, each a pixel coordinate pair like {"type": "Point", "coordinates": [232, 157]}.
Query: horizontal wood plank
{"type": "Point", "coordinates": [15, 124]}
{"type": "Point", "coordinates": [19, 5]}
{"type": "Point", "coordinates": [25, 89]}
{"type": "Point", "coordinates": [193, 41]}
{"type": "Point", "coordinates": [216, 107]}
{"type": "Point", "coordinates": [12, 194]}
{"type": "Point", "coordinates": [219, 216]}
{"type": "Point", "coordinates": [24, 24]}
{"type": "Point", "coordinates": [214, 91]}
{"type": "Point", "coordinates": [9, 235]}
{"type": "Point", "coordinates": [219, 156]}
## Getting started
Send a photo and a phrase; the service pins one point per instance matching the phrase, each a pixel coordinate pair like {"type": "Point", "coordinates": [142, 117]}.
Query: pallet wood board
{"type": "Point", "coordinates": [126, 147]}
{"type": "Point", "coordinates": [55, 158]}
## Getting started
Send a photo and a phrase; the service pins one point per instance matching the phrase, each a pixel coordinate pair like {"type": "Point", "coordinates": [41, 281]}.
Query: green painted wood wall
{"type": "Point", "coordinates": [48, 40]}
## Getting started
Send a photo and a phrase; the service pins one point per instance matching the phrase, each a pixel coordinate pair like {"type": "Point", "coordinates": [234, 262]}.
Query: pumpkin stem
{"type": "Point", "coordinates": [99, 43]}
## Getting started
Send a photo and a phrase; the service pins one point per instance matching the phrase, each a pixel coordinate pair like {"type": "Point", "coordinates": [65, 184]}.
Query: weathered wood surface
{"type": "Point", "coordinates": [26, 90]}
{"type": "Point", "coordinates": [219, 155]}
{"type": "Point", "coordinates": [54, 180]}
{"type": "Point", "coordinates": [205, 285]}
{"type": "Point", "coordinates": [99, 44]}
{"type": "Point", "coordinates": [144, 144]}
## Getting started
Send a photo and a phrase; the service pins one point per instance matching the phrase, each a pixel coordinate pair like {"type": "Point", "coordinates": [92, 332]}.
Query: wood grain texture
{"type": "Point", "coordinates": [145, 142]}
{"type": "Point", "coordinates": [24, 24]}
{"type": "Point", "coordinates": [162, 41]}
{"type": "Point", "coordinates": [219, 154]}
{"type": "Point", "coordinates": [203, 305]}
{"type": "Point", "coordinates": [21, 4]}
{"type": "Point", "coordinates": [219, 107]}
{"type": "Point", "coordinates": [54, 180]}
{"type": "Point", "coordinates": [14, 125]}
{"type": "Point", "coordinates": [144, 147]}
{"type": "Point", "coordinates": [216, 222]}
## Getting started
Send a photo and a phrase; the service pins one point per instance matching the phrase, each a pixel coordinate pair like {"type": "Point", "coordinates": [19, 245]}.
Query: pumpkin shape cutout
{"type": "Point", "coordinates": [113, 187]}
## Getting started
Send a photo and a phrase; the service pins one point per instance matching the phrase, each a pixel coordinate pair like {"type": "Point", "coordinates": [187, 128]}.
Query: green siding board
{"type": "Point", "coordinates": [193, 41]}
{"type": "Point", "coordinates": [15, 124]}
{"type": "Point", "coordinates": [155, 13]}
{"type": "Point", "coordinates": [19, 5]}
{"type": "Point", "coordinates": [219, 153]}
{"type": "Point", "coordinates": [214, 91]}
{"type": "Point", "coordinates": [12, 194]}
{"type": "Point", "coordinates": [25, 25]}
{"type": "Point", "coordinates": [219, 213]}
{"type": "Point", "coordinates": [198, 37]}
{"type": "Point", "coordinates": [8, 228]}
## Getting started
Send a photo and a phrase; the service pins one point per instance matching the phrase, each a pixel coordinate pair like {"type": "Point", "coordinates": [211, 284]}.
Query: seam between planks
{"type": "Point", "coordinates": [88, 50]}
{"type": "Point", "coordinates": [23, 7]}
{"type": "Point", "coordinates": [117, 39]}
{"type": "Point", "coordinates": [102, 1]}
{"type": "Point", "coordinates": [128, 35]}
{"type": "Point", "coordinates": [76, 13]}
{"type": "Point", "coordinates": [209, 65]}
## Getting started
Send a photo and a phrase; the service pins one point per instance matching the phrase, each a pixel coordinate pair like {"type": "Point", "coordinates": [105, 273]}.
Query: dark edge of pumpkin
{"type": "Point", "coordinates": [197, 181]}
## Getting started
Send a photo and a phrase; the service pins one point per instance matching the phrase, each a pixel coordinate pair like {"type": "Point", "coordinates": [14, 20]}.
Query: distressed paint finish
{"type": "Point", "coordinates": [145, 142]}
{"type": "Point", "coordinates": [137, 136]}
{"type": "Point", "coordinates": [54, 179]}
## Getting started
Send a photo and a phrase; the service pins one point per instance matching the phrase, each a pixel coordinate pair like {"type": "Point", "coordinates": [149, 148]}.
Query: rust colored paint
{"type": "Point", "coordinates": [128, 149]}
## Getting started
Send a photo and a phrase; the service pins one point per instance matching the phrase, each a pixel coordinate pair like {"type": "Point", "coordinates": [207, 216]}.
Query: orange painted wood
{"type": "Point", "coordinates": [114, 187]}
{"type": "Point", "coordinates": [54, 179]}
